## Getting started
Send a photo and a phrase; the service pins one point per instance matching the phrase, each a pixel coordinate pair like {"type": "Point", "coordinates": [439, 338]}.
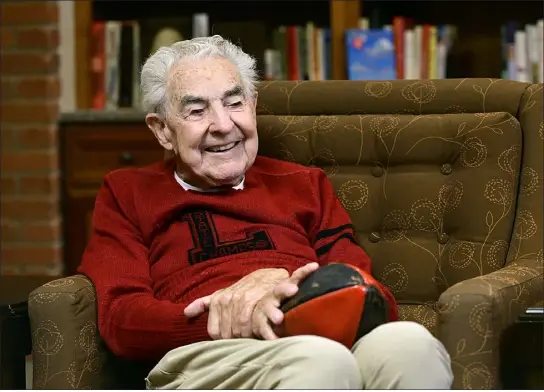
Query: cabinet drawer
{"type": "Point", "coordinates": [93, 150]}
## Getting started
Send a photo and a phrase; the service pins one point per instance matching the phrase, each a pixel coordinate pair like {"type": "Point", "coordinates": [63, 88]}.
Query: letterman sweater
{"type": "Point", "coordinates": [155, 247]}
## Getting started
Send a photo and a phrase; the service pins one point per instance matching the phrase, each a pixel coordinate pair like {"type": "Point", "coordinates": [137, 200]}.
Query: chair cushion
{"type": "Point", "coordinates": [432, 197]}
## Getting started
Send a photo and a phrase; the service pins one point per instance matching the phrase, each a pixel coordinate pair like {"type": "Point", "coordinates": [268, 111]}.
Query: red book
{"type": "Point", "coordinates": [98, 58]}
{"type": "Point", "coordinates": [292, 53]}
{"type": "Point", "coordinates": [425, 43]}
{"type": "Point", "coordinates": [399, 25]}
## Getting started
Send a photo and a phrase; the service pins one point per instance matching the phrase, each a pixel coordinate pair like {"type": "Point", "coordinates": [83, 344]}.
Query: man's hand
{"type": "Point", "coordinates": [267, 316]}
{"type": "Point", "coordinates": [230, 309]}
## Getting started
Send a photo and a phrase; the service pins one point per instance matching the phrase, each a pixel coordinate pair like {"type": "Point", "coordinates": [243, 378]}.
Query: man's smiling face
{"type": "Point", "coordinates": [210, 123]}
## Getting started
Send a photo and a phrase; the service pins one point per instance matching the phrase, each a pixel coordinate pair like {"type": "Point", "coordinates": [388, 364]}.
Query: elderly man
{"type": "Point", "coordinates": [192, 257]}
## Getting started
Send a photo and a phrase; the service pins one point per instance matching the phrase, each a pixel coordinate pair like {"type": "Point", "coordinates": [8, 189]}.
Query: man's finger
{"type": "Point", "coordinates": [241, 325]}
{"type": "Point", "coordinates": [284, 290]}
{"type": "Point", "coordinates": [261, 327]}
{"type": "Point", "coordinates": [302, 272]}
{"type": "Point", "coordinates": [266, 332]}
{"type": "Point", "coordinates": [271, 311]}
{"type": "Point", "coordinates": [197, 307]}
{"type": "Point", "coordinates": [239, 305]}
{"type": "Point", "coordinates": [214, 319]}
{"type": "Point", "coordinates": [256, 319]}
{"type": "Point", "coordinates": [225, 309]}
{"type": "Point", "coordinates": [288, 288]}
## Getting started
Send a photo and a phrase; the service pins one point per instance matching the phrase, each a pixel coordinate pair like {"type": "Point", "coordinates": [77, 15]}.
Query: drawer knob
{"type": "Point", "coordinates": [126, 158]}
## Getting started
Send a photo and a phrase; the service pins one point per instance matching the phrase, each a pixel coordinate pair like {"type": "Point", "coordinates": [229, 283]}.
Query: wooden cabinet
{"type": "Point", "coordinates": [92, 145]}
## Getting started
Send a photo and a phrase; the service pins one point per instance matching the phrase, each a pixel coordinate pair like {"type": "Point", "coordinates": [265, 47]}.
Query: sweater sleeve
{"type": "Point", "coordinates": [333, 235]}
{"type": "Point", "coordinates": [133, 323]}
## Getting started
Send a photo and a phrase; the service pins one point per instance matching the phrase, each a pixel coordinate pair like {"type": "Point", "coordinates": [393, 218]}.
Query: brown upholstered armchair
{"type": "Point", "coordinates": [443, 181]}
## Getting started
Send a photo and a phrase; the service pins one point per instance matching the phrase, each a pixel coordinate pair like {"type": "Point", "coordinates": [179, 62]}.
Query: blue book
{"type": "Point", "coordinates": [370, 54]}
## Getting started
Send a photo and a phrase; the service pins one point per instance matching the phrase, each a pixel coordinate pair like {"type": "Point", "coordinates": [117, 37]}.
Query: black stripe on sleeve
{"type": "Point", "coordinates": [330, 232]}
{"type": "Point", "coordinates": [326, 248]}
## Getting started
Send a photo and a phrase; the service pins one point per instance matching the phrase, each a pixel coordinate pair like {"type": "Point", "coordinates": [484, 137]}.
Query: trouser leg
{"type": "Point", "coordinates": [301, 362]}
{"type": "Point", "coordinates": [399, 355]}
{"type": "Point", "coordinates": [402, 355]}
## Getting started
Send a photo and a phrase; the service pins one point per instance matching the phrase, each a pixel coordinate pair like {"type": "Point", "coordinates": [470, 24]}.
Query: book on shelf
{"type": "Point", "coordinates": [370, 54]}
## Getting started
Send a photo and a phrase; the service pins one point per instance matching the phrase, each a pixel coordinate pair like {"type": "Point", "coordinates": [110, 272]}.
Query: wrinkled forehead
{"type": "Point", "coordinates": [210, 78]}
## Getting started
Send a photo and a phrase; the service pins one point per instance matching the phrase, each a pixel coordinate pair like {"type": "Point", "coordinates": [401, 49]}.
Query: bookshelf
{"type": "Point", "coordinates": [338, 15]}
{"type": "Point", "coordinates": [476, 51]}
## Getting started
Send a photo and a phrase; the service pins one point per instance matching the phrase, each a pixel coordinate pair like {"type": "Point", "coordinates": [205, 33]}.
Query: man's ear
{"type": "Point", "coordinates": [160, 130]}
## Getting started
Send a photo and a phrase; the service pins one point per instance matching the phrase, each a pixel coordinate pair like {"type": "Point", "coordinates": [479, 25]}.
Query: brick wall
{"type": "Point", "coordinates": [30, 216]}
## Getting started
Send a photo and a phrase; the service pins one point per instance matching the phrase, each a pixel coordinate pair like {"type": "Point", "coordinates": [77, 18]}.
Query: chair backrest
{"type": "Point", "coordinates": [442, 178]}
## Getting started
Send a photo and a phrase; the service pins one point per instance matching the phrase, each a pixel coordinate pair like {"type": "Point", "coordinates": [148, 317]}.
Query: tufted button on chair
{"type": "Point", "coordinates": [443, 238]}
{"type": "Point", "coordinates": [446, 169]}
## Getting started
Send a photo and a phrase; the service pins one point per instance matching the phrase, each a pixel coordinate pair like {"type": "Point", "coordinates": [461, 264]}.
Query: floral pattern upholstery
{"type": "Point", "coordinates": [443, 181]}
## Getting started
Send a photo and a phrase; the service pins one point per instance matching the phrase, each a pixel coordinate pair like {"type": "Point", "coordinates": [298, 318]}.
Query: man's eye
{"type": "Point", "coordinates": [236, 104]}
{"type": "Point", "coordinates": [197, 112]}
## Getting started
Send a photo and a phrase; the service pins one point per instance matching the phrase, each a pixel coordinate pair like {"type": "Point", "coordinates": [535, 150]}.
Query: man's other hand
{"type": "Point", "coordinates": [231, 309]}
{"type": "Point", "coordinates": [267, 316]}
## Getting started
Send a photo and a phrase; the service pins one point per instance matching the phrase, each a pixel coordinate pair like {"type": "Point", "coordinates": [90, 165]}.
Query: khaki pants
{"type": "Point", "coordinates": [397, 355]}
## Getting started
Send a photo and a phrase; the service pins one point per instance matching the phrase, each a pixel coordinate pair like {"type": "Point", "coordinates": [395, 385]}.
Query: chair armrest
{"type": "Point", "coordinates": [67, 350]}
{"type": "Point", "coordinates": [473, 314]}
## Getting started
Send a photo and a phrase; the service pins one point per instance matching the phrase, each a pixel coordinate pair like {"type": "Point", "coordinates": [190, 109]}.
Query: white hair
{"type": "Point", "coordinates": [154, 75]}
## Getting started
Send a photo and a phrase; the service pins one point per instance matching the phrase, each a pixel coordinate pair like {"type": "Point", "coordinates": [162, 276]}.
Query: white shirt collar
{"type": "Point", "coordinates": [189, 187]}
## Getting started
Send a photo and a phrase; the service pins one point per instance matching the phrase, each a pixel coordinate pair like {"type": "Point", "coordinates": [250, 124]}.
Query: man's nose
{"type": "Point", "coordinates": [220, 120]}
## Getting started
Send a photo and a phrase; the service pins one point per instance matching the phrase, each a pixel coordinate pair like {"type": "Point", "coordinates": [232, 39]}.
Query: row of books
{"type": "Point", "coordinates": [299, 53]}
{"type": "Point", "coordinates": [523, 51]}
{"type": "Point", "coordinates": [401, 50]}
{"type": "Point", "coordinates": [119, 48]}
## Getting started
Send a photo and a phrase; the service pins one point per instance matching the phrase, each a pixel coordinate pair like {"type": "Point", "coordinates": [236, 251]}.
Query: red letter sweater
{"type": "Point", "coordinates": [156, 247]}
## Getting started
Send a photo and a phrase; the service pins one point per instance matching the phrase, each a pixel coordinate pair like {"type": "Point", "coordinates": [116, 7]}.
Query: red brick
{"type": "Point", "coordinates": [30, 254]}
{"type": "Point", "coordinates": [9, 185]}
{"type": "Point", "coordinates": [38, 87]}
{"type": "Point", "coordinates": [42, 231]}
{"type": "Point", "coordinates": [8, 138]}
{"type": "Point", "coordinates": [10, 232]}
{"type": "Point", "coordinates": [31, 112]}
{"type": "Point", "coordinates": [37, 138]}
{"type": "Point", "coordinates": [7, 91]}
{"type": "Point", "coordinates": [7, 37]}
{"type": "Point", "coordinates": [34, 210]}
{"type": "Point", "coordinates": [25, 161]}
{"type": "Point", "coordinates": [42, 38]}
{"type": "Point", "coordinates": [25, 63]}
{"type": "Point", "coordinates": [47, 184]}
{"type": "Point", "coordinates": [28, 12]}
